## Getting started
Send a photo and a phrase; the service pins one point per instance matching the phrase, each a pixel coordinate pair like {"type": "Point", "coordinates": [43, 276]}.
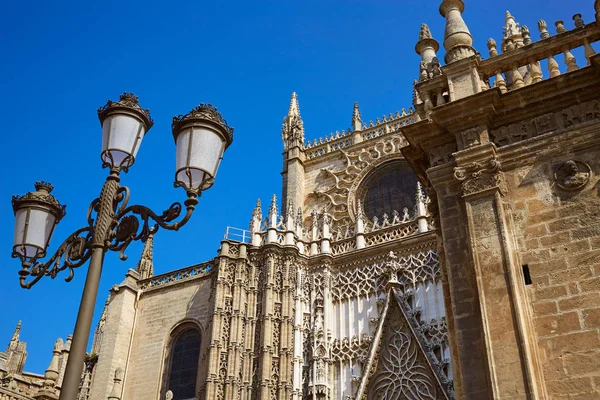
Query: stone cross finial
{"type": "Point", "coordinates": [458, 41]}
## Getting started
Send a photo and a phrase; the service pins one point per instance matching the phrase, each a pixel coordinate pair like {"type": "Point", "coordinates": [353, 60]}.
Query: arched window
{"type": "Point", "coordinates": [183, 358]}
{"type": "Point", "coordinates": [389, 188]}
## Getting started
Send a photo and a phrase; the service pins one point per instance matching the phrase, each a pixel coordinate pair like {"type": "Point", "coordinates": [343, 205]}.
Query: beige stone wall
{"type": "Point", "coordinates": [159, 311]}
{"type": "Point", "coordinates": [559, 239]}
{"type": "Point", "coordinates": [115, 340]}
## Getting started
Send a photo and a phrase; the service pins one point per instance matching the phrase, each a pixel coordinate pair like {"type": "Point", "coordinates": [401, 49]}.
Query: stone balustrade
{"type": "Point", "coordinates": [195, 271]}
{"type": "Point", "coordinates": [533, 62]}
{"type": "Point", "coordinates": [340, 140]}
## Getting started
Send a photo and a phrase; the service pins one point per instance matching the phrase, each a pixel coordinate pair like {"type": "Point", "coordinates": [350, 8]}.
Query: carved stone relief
{"type": "Point", "coordinates": [402, 369]}
{"type": "Point", "coordinates": [567, 118]}
{"type": "Point", "coordinates": [572, 175]}
{"type": "Point", "coordinates": [477, 177]}
{"type": "Point", "coordinates": [340, 193]}
{"type": "Point", "coordinates": [440, 155]}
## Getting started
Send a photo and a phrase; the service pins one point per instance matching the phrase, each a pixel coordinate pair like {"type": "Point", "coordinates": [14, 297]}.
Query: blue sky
{"type": "Point", "coordinates": [62, 60]}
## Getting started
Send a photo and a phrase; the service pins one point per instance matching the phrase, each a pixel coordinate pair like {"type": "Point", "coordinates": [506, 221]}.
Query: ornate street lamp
{"type": "Point", "coordinates": [201, 138]}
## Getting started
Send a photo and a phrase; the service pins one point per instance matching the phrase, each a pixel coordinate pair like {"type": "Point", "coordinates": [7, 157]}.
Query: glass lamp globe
{"type": "Point", "coordinates": [36, 215]}
{"type": "Point", "coordinates": [201, 138]}
{"type": "Point", "coordinates": [124, 124]}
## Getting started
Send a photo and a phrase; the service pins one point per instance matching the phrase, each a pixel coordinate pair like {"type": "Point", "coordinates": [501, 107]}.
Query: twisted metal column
{"type": "Point", "coordinates": [102, 229]}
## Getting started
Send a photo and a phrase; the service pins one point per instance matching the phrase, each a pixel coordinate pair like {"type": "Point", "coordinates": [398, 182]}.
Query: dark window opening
{"type": "Point", "coordinates": [391, 187]}
{"type": "Point", "coordinates": [185, 354]}
{"type": "Point", "coordinates": [526, 275]}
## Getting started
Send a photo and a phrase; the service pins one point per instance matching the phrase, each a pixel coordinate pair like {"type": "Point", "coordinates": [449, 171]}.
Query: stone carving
{"type": "Point", "coordinates": [346, 350]}
{"type": "Point", "coordinates": [567, 118]}
{"type": "Point", "coordinates": [442, 154]}
{"type": "Point", "coordinates": [471, 137]}
{"type": "Point", "coordinates": [402, 369]}
{"type": "Point", "coordinates": [363, 281]}
{"type": "Point", "coordinates": [477, 177]}
{"type": "Point", "coordinates": [572, 175]}
{"type": "Point", "coordinates": [341, 194]}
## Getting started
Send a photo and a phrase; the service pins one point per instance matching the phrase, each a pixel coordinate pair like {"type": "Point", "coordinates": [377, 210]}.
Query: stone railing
{"type": "Point", "coordinates": [194, 271]}
{"type": "Point", "coordinates": [391, 233]}
{"type": "Point", "coordinates": [335, 141]}
{"type": "Point", "coordinates": [522, 66]}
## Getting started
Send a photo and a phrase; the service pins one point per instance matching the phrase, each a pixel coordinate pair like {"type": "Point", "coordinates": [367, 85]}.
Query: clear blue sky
{"type": "Point", "coordinates": [62, 60]}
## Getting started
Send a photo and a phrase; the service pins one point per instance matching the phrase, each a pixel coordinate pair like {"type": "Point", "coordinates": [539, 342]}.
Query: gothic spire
{"type": "Point", "coordinates": [426, 48]}
{"type": "Point", "coordinates": [356, 118]}
{"type": "Point", "coordinates": [145, 266]}
{"type": "Point", "coordinates": [294, 110]}
{"type": "Point", "coordinates": [292, 131]}
{"type": "Point", "coordinates": [16, 335]}
{"type": "Point", "coordinates": [458, 41]}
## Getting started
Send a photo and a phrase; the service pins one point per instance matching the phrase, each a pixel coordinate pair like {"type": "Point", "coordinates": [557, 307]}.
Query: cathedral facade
{"type": "Point", "coordinates": [451, 250]}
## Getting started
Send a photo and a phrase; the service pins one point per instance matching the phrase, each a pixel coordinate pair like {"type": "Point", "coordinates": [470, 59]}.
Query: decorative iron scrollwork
{"type": "Point", "coordinates": [129, 223]}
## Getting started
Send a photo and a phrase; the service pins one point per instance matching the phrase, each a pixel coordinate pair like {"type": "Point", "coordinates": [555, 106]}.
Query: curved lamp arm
{"type": "Point", "coordinates": [132, 223]}
{"type": "Point", "coordinates": [124, 229]}
{"type": "Point", "coordinates": [71, 254]}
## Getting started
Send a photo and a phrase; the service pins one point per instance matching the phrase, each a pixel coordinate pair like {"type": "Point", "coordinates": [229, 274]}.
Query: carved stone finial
{"type": "Point", "coordinates": [16, 334]}
{"type": "Point", "coordinates": [526, 35]}
{"type": "Point", "coordinates": [420, 196]}
{"type": "Point", "coordinates": [294, 110]}
{"type": "Point", "coordinates": [359, 210]}
{"type": "Point", "coordinates": [560, 27]}
{"type": "Point", "coordinates": [273, 207]}
{"type": "Point", "coordinates": [578, 21]}
{"type": "Point", "coordinates": [426, 47]}
{"type": "Point", "coordinates": [425, 33]}
{"type": "Point", "coordinates": [314, 218]}
{"type": "Point", "coordinates": [257, 209]}
{"type": "Point", "coordinates": [543, 28]}
{"type": "Point", "coordinates": [145, 266]}
{"type": "Point", "coordinates": [491, 44]}
{"type": "Point", "coordinates": [356, 118]}
{"type": "Point", "coordinates": [512, 34]}
{"type": "Point", "coordinates": [458, 41]}
{"type": "Point", "coordinates": [115, 393]}
{"type": "Point", "coordinates": [292, 131]}
{"type": "Point", "coordinates": [289, 212]}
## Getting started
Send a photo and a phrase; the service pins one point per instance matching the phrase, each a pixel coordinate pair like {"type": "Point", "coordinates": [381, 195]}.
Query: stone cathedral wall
{"type": "Point", "coordinates": [557, 228]}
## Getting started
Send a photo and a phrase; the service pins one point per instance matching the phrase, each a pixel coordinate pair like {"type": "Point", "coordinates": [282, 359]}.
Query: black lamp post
{"type": "Point", "coordinates": [201, 138]}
